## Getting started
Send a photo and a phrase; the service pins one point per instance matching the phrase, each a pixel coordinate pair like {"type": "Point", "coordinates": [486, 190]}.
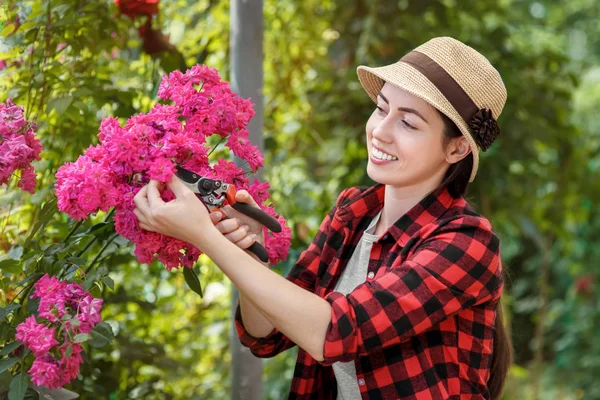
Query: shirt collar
{"type": "Point", "coordinates": [370, 202]}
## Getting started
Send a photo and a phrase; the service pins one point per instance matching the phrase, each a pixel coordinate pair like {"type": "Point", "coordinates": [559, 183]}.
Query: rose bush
{"type": "Point", "coordinates": [18, 146]}
{"type": "Point", "coordinates": [150, 145]}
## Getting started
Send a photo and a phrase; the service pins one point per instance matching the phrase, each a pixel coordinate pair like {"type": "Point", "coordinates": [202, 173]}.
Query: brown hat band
{"type": "Point", "coordinates": [482, 123]}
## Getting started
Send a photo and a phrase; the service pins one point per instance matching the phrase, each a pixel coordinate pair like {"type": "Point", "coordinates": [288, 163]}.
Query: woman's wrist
{"type": "Point", "coordinates": [206, 238]}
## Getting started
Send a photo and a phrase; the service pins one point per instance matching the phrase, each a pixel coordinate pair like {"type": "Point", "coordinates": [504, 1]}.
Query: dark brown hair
{"type": "Point", "coordinates": [456, 180]}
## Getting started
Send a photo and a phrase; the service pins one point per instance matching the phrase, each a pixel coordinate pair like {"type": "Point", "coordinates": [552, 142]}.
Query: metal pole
{"type": "Point", "coordinates": [246, 78]}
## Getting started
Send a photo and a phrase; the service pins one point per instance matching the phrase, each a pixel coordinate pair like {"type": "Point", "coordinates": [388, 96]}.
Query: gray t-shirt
{"type": "Point", "coordinates": [353, 275]}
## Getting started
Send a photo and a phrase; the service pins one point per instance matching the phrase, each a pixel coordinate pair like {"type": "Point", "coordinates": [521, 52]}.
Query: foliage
{"type": "Point", "coordinates": [535, 184]}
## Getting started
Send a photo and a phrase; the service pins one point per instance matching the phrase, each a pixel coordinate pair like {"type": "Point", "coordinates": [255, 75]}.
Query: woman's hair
{"type": "Point", "coordinates": [457, 176]}
{"type": "Point", "coordinates": [456, 180]}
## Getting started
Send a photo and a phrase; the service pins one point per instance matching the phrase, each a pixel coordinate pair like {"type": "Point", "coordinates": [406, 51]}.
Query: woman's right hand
{"type": "Point", "coordinates": [240, 229]}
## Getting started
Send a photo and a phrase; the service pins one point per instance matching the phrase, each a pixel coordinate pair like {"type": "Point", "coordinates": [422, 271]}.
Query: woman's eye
{"type": "Point", "coordinates": [407, 125]}
{"type": "Point", "coordinates": [380, 110]}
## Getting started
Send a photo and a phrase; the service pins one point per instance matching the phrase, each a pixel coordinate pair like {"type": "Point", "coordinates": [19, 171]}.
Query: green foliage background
{"type": "Point", "coordinates": [538, 184]}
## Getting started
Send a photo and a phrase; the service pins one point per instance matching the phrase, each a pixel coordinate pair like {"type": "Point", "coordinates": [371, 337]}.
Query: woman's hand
{"type": "Point", "coordinates": [184, 218]}
{"type": "Point", "coordinates": [240, 229]}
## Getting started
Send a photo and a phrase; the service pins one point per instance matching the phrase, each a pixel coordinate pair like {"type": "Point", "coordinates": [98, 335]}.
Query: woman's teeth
{"type": "Point", "coordinates": [383, 156]}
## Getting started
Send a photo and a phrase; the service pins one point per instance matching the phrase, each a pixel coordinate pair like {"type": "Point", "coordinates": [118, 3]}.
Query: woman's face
{"type": "Point", "coordinates": [405, 140]}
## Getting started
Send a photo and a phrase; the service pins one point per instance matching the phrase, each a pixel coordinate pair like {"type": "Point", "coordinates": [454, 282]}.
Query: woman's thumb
{"type": "Point", "coordinates": [244, 197]}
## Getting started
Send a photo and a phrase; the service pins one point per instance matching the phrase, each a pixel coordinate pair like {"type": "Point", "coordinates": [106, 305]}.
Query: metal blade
{"type": "Point", "coordinates": [186, 175]}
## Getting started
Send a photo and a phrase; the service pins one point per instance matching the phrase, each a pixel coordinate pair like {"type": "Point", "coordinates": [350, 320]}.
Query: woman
{"type": "Point", "coordinates": [398, 296]}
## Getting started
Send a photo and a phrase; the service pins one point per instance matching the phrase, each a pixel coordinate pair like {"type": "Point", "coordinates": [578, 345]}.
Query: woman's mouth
{"type": "Point", "coordinates": [379, 157]}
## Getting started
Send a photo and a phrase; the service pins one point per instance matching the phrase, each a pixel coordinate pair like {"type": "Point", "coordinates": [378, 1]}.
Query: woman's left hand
{"type": "Point", "coordinates": [184, 218]}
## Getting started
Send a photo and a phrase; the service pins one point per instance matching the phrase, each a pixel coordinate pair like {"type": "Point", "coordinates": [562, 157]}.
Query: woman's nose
{"type": "Point", "coordinates": [383, 131]}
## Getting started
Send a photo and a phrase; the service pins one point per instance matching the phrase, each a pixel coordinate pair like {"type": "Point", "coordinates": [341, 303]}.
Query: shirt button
{"type": "Point", "coordinates": [371, 275]}
{"type": "Point", "coordinates": [386, 236]}
{"type": "Point", "coordinates": [361, 382]}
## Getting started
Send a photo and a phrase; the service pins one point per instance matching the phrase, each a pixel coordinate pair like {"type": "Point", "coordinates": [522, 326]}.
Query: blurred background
{"type": "Point", "coordinates": [72, 62]}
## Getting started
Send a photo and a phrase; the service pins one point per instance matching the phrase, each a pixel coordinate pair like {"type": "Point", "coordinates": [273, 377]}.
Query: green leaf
{"type": "Point", "coordinates": [15, 252]}
{"type": "Point", "coordinates": [192, 280]}
{"type": "Point", "coordinates": [79, 261]}
{"type": "Point", "coordinates": [4, 311]}
{"type": "Point", "coordinates": [61, 10]}
{"type": "Point", "coordinates": [82, 337]}
{"type": "Point", "coordinates": [93, 228]}
{"type": "Point", "coordinates": [54, 248]}
{"type": "Point", "coordinates": [7, 363]}
{"type": "Point", "coordinates": [109, 282]}
{"type": "Point", "coordinates": [40, 195]}
{"type": "Point", "coordinates": [28, 278]}
{"type": "Point", "coordinates": [69, 351]}
{"type": "Point", "coordinates": [18, 386]}
{"type": "Point", "coordinates": [102, 334]}
{"type": "Point", "coordinates": [48, 210]}
{"type": "Point", "coordinates": [33, 305]}
{"type": "Point", "coordinates": [89, 281]}
{"type": "Point", "coordinates": [33, 395]}
{"type": "Point", "coordinates": [8, 29]}
{"type": "Point", "coordinates": [5, 379]}
{"type": "Point", "coordinates": [60, 104]}
{"type": "Point", "coordinates": [70, 271]}
{"type": "Point", "coordinates": [11, 266]}
{"type": "Point", "coordinates": [9, 348]}
{"type": "Point", "coordinates": [55, 394]}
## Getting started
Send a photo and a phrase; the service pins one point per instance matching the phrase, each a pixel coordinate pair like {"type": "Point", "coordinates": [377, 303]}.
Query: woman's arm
{"type": "Point", "coordinates": [456, 268]}
{"type": "Point", "coordinates": [299, 314]}
{"type": "Point", "coordinates": [254, 321]}
{"type": "Point", "coordinates": [243, 231]}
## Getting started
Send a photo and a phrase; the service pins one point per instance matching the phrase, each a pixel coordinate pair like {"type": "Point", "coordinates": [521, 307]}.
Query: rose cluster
{"type": "Point", "coordinates": [18, 146]}
{"type": "Point", "coordinates": [65, 311]}
{"type": "Point", "coordinates": [150, 145]}
{"type": "Point", "coordinates": [134, 8]}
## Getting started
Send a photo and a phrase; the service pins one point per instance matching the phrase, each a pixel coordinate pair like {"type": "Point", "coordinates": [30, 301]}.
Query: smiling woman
{"type": "Point", "coordinates": [398, 296]}
{"type": "Point", "coordinates": [404, 138]}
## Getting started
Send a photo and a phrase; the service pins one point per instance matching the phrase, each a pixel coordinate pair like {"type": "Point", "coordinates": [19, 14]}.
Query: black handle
{"type": "Point", "coordinates": [259, 251]}
{"type": "Point", "coordinates": [257, 248]}
{"type": "Point", "coordinates": [258, 215]}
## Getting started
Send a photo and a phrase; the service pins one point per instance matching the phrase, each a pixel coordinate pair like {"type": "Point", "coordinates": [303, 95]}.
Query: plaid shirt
{"type": "Point", "coordinates": [421, 326]}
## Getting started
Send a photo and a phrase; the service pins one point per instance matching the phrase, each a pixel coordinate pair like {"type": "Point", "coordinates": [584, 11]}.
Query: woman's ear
{"type": "Point", "coordinates": [457, 149]}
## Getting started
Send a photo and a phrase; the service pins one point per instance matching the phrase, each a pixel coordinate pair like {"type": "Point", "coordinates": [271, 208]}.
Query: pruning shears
{"type": "Point", "coordinates": [215, 194]}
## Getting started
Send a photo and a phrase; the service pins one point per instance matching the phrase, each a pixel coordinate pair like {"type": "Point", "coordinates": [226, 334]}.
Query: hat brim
{"type": "Point", "coordinates": [406, 77]}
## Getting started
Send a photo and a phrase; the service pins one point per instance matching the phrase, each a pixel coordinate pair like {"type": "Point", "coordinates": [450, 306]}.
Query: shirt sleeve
{"type": "Point", "coordinates": [455, 268]}
{"type": "Point", "coordinates": [304, 274]}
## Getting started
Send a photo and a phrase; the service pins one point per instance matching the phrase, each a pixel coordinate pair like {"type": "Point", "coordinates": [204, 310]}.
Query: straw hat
{"type": "Point", "coordinates": [455, 79]}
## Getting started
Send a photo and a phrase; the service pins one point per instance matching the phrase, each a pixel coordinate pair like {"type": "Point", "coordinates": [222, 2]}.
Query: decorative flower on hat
{"type": "Point", "coordinates": [484, 127]}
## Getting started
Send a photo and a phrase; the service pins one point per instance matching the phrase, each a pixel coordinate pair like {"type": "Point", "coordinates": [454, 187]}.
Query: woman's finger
{"type": "Point", "coordinates": [146, 227]}
{"type": "Point", "coordinates": [228, 225]}
{"type": "Point", "coordinates": [246, 242]}
{"type": "Point", "coordinates": [215, 217]}
{"type": "Point", "coordinates": [141, 200]}
{"type": "Point", "coordinates": [140, 215]}
{"type": "Point", "coordinates": [244, 197]}
{"type": "Point", "coordinates": [153, 194]}
{"type": "Point", "coordinates": [238, 234]}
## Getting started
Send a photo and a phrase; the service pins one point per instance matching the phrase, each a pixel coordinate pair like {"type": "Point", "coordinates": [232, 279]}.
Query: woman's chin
{"type": "Point", "coordinates": [384, 177]}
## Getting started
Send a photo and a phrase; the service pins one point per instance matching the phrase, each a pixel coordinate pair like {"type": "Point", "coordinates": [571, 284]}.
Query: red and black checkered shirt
{"type": "Point", "coordinates": [423, 326]}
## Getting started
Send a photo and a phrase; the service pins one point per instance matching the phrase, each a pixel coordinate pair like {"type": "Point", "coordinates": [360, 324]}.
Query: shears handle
{"type": "Point", "coordinates": [256, 214]}
{"type": "Point", "coordinates": [260, 252]}
{"type": "Point", "coordinates": [253, 212]}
